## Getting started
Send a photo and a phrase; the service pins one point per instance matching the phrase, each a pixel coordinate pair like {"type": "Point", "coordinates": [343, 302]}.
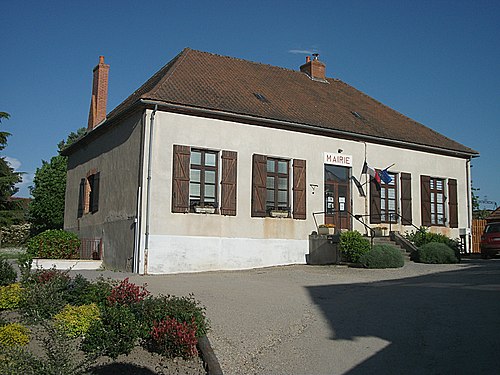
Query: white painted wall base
{"type": "Point", "coordinates": [66, 264]}
{"type": "Point", "coordinates": [180, 254]}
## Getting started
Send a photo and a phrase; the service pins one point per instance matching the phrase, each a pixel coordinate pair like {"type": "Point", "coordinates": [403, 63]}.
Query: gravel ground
{"type": "Point", "coordinates": [434, 319]}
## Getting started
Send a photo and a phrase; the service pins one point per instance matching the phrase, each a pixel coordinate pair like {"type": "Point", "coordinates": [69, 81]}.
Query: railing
{"type": "Point", "coordinates": [403, 221]}
{"type": "Point", "coordinates": [91, 248]}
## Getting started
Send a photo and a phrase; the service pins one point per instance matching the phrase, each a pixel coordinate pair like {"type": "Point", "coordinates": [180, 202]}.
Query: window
{"type": "Point", "coordinates": [271, 181]}
{"type": "Point", "coordinates": [388, 200]}
{"type": "Point", "coordinates": [203, 177]}
{"type": "Point", "coordinates": [436, 188]}
{"type": "Point", "coordinates": [433, 201]}
{"type": "Point", "coordinates": [195, 181]}
{"type": "Point", "coordinates": [277, 185]}
{"type": "Point", "coordinates": [88, 199]}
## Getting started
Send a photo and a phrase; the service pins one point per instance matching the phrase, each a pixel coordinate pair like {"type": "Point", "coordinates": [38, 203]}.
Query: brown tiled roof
{"type": "Point", "coordinates": [207, 81]}
{"type": "Point", "coordinates": [494, 216]}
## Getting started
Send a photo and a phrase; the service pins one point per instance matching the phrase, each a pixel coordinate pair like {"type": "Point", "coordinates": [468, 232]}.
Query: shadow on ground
{"type": "Point", "coordinates": [444, 323]}
{"type": "Point", "coordinates": [122, 369]}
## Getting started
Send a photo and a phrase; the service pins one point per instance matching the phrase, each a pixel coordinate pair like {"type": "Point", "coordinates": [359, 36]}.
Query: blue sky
{"type": "Point", "coordinates": [437, 62]}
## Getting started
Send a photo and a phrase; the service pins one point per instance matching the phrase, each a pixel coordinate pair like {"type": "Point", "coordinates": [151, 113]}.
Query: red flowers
{"type": "Point", "coordinates": [127, 293]}
{"type": "Point", "coordinates": [172, 338]}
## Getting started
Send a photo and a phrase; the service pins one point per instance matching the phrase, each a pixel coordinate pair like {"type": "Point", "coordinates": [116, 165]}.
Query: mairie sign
{"type": "Point", "coordinates": [338, 159]}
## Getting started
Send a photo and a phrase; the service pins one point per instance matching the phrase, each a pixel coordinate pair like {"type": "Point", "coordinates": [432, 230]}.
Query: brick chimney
{"type": "Point", "coordinates": [99, 99]}
{"type": "Point", "coordinates": [314, 68]}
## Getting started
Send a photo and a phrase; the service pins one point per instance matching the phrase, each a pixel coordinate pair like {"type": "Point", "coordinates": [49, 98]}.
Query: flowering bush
{"type": "Point", "coordinates": [174, 339]}
{"type": "Point", "coordinates": [15, 234]}
{"type": "Point", "coordinates": [44, 276]}
{"type": "Point", "coordinates": [127, 293]}
{"type": "Point", "coordinates": [54, 243]}
{"type": "Point", "coordinates": [75, 321]}
{"type": "Point", "coordinates": [14, 334]}
{"type": "Point", "coordinates": [10, 296]}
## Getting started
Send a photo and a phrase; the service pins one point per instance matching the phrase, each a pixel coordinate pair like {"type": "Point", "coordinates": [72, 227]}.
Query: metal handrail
{"type": "Point", "coordinates": [357, 217]}
{"type": "Point", "coordinates": [392, 214]}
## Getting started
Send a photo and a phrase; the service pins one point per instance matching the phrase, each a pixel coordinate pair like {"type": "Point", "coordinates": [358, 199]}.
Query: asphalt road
{"type": "Point", "coordinates": [420, 319]}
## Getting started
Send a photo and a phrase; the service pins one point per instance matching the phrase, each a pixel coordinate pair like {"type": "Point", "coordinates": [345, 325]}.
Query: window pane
{"type": "Point", "coordinates": [439, 184]}
{"type": "Point", "coordinates": [282, 183]}
{"type": "Point", "coordinates": [194, 190]}
{"type": "Point", "coordinates": [270, 165]}
{"type": "Point", "coordinates": [210, 159]}
{"type": "Point", "coordinates": [194, 175]}
{"type": "Point", "coordinates": [196, 157]}
{"type": "Point", "coordinates": [209, 200]}
{"type": "Point", "coordinates": [382, 193]}
{"type": "Point", "coordinates": [270, 182]}
{"type": "Point", "coordinates": [210, 177]}
{"type": "Point", "coordinates": [433, 209]}
{"type": "Point", "coordinates": [282, 167]}
{"type": "Point", "coordinates": [440, 198]}
{"type": "Point", "coordinates": [392, 205]}
{"type": "Point", "coordinates": [440, 209]}
{"type": "Point", "coordinates": [382, 205]}
{"type": "Point", "coordinates": [209, 191]}
{"type": "Point", "coordinates": [431, 183]}
{"type": "Point", "coordinates": [270, 195]}
{"type": "Point", "coordinates": [282, 197]}
{"type": "Point", "coordinates": [392, 194]}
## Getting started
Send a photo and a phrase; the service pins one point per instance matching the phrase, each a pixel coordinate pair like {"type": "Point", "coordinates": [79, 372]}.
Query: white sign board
{"type": "Point", "coordinates": [338, 159]}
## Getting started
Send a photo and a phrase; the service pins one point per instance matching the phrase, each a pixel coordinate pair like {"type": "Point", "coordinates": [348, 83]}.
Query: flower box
{"type": "Point", "coordinates": [278, 213]}
{"type": "Point", "coordinates": [204, 210]}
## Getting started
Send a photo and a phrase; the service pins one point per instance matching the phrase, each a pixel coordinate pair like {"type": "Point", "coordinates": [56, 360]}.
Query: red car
{"type": "Point", "coordinates": [490, 240]}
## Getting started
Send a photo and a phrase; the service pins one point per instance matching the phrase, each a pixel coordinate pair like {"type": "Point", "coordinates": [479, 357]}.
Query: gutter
{"type": "Point", "coordinates": [148, 189]}
{"type": "Point", "coordinates": [309, 128]}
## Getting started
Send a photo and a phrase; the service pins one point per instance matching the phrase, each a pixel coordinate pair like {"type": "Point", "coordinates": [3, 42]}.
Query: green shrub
{"type": "Point", "coordinates": [183, 309]}
{"type": "Point", "coordinates": [436, 253]}
{"type": "Point", "coordinates": [54, 244]}
{"type": "Point", "coordinates": [8, 274]}
{"type": "Point", "coordinates": [423, 237]}
{"type": "Point", "coordinates": [42, 300]}
{"type": "Point", "coordinates": [97, 292]}
{"type": "Point", "coordinates": [10, 296]}
{"type": "Point", "coordinates": [115, 333]}
{"type": "Point", "coordinates": [383, 256]}
{"type": "Point", "coordinates": [75, 321]}
{"type": "Point", "coordinates": [14, 334]}
{"type": "Point", "coordinates": [353, 245]}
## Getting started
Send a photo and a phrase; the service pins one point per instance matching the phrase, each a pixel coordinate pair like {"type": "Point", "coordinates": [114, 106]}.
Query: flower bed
{"type": "Point", "coordinates": [102, 326]}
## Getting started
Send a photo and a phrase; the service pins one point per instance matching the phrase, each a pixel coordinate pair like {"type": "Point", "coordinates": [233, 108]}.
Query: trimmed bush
{"type": "Point", "coordinates": [183, 309]}
{"type": "Point", "coordinates": [75, 321]}
{"type": "Point", "coordinates": [383, 256]}
{"type": "Point", "coordinates": [14, 334]}
{"type": "Point", "coordinates": [115, 333]}
{"type": "Point", "coordinates": [8, 274]}
{"type": "Point", "coordinates": [353, 245]}
{"type": "Point", "coordinates": [423, 237]}
{"type": "Point", "coordinates": [436, 253]}
{"type": "Point", "coordinates": [54, 244]}
{"type": "Point", "coordinates": [10, 296]}
{"type": "Point", "coordinates": [174, 339]}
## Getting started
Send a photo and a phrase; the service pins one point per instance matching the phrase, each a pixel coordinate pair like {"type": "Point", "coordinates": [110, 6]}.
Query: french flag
{"type": "Point", "coordinates": [371, 171]}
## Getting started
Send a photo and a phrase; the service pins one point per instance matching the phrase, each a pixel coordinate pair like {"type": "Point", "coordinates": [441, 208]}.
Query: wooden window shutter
{"type": "Point", "coordinates": [406, 209]}
{"type": "Point", "coordinates": [180, 178]}
{"type": "Point", "coordinates": [81, 197]}
{"type": "Point", "coordinates": [375, 213]}
{"type": "Point", "coordinates": [425, 200]}
{"type": "Point", "coordinates": [94, 204]}
{"type": "Point", "coordinates": [259, 178]}
{"type": "Point", "coordinates": [453, 202]}
{"type": "Point", "coordinates": [299, 189]}
{"type": "Point", "coordinates": [228, 190]}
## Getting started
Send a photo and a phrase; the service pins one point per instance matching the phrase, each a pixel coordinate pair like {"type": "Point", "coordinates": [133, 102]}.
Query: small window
{"type": "Point", "coordinates": [437, 201]}
{"type": "Point", "coordinates": [88, 200]}
{"type": "Point", "coordinates": [277, 185]}
{"type": "Point", "coordinates": [203, 179]}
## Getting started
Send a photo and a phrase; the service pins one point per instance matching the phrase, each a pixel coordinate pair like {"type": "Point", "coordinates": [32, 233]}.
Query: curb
{"type": "Point", "coordinates": [212, 365]}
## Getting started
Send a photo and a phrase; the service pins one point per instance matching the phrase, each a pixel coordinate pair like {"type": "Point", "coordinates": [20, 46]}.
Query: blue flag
{"type": "Point", "coordinates": [384, 176]}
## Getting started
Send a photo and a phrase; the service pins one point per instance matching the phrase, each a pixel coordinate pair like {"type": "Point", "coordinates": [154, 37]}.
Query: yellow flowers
{"type": "Point", "coordinates": [14, 334]}
{"type": "Point", "coordinates": [75, 321]}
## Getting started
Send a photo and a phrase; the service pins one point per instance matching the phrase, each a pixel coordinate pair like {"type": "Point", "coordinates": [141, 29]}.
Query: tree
{"type": "Point", "coordinates": [46, 210]}
{"type": "Point", "coordinates": [8, 178]}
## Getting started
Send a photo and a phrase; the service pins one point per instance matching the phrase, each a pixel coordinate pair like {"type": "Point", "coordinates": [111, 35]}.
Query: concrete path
{"type": "Point", "coordinates": [420, 319]}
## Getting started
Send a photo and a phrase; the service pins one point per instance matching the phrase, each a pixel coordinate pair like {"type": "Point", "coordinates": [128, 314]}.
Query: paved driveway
{"type": "Point", "coordinates": [420, 319]}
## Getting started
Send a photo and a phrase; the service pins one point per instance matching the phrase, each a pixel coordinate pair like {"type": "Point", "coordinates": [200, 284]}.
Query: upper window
{"type": "Point", "coordinates": [436, 188]}
{"type": "Point", "coordinates": [277, 183]}
{"type": "Point", "coordinates": [203, 176]}
{"type": "Point", "coordinates": [88, 200]}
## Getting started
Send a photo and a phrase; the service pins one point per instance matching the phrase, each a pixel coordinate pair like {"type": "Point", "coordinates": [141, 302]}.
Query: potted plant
{"type": "Point", "coordinates": [326, 229]}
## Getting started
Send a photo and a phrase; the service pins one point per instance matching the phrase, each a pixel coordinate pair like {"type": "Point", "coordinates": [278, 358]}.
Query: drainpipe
{"type": "Point", "coordinates": [148, 188]}
{"type": "Point", "coordinates": [469, 208]}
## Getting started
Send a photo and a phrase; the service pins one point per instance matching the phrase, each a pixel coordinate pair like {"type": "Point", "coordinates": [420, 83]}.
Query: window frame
{"type": "Point", "coordinates": [276, 175]}
{"type": "Point", "coordinates": [385, 213]}
{"type": "Point", "coordinates": [202, 183]}
{"type": "Point", "coordinates": [433, 195]}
